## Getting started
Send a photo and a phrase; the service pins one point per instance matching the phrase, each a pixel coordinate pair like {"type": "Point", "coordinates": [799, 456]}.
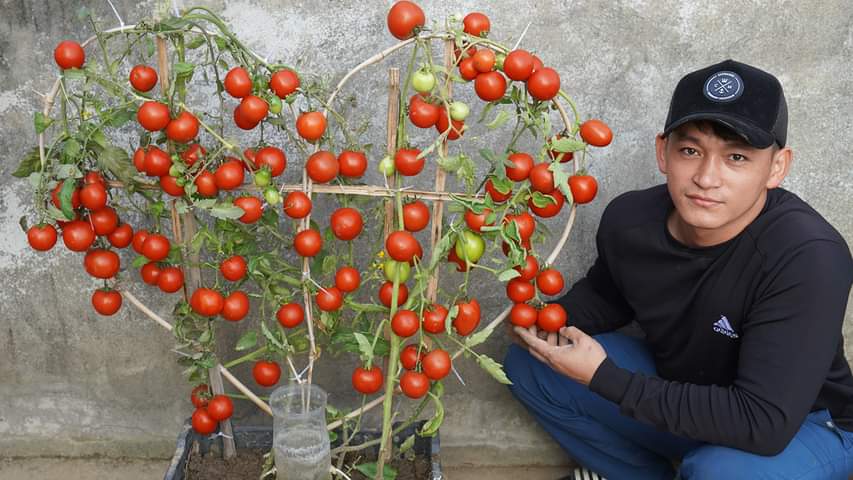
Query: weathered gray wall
{"type": "Point", "coordinates": [74, 383]}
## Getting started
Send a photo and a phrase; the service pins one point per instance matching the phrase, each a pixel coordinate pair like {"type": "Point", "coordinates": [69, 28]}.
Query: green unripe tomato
{"type": "Point", "coordinates": [386, 166]}
{"type": "Point", "coordinates": [394, 269]}
{"type": "Point", "coordinates": [275, 104]}
{"type": "Point", "coordinates": [459, 111]}
{"type": "Point", "coordinates": [272, 196]}
{"type": "Point", "coordinates": [263, 177]}
{"type": "Point", "coordinates": [470, 246]}
{"type": "Point", "coordinates": [423, 81]}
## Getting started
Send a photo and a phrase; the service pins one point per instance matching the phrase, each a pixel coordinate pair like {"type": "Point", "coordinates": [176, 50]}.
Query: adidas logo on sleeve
{"type": "Point", "coordinates": [723, 326]}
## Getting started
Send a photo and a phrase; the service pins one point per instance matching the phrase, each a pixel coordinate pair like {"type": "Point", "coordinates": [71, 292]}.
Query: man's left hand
{"type": "Point", "coordinates": [577, 360]}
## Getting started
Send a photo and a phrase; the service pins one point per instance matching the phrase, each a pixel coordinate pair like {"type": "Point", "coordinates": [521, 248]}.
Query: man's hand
{"type": "Point", "coordinates": [577, 360]}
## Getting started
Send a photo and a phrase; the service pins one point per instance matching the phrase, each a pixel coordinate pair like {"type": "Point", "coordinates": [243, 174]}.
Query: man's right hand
{"type": "Point", "coordinates": [551, 338]}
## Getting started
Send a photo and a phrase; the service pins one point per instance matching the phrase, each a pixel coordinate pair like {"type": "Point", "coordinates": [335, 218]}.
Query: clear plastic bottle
{"type": "Point", "coordinates": [300, 438]}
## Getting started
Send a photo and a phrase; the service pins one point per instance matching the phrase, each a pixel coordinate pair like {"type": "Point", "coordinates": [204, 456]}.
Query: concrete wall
{"type": "Point", "coordinates": [75, 383]}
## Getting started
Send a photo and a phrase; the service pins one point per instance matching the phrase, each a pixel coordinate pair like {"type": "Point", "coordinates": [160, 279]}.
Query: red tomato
{"type": "Point", "coordinates": [240, 119]}
{"type": "Point", "coordinates": [409, 357]}
{"type": "Point", "coordinates": [461, 266]}
{"type": "Point", "coordinates": [273, 158]}
{"type": "Point", "coordinates": [551, 318]}
{"type": "Point", "coordinates": [157, 162]}
{"type": "Point", "coordinates": [169, 184]}
{"type": "Point", "coordinates": [329, 299]}
{"type": "Point", "coordinates": [347, 279]}
{"type": "Point", "coordinates": [522, 164]}
{"type": "Point", "coordinates": [367, 381]}
{"type": "Point", "coordinates": [414, 384]}
{"type": "Point", "coordinates": [94, 196]}
{"type": "Point", "coordinates": [322, 166]}
{"type": "Point", "coordinates": [476, 24]}
{"type": "Point", "coordinates": [171, 279]}
{"type": "Point", "coordinates": [235, 307]}
{"type": "Point", "coordinates": [518, 65]}
{"type": "Point", "coordinates": [106, 302]}
{"type": "Point", "coordinates": [407, 162]}
{"type": "Point", "coordinates": [490, 86]}
{"type": "Point", "coordinates": [230, 174]}
{"type": "Point", "coordinates": [156, 247]}
{"type": "Point", "coordinates": [477, 221]}
{"type": "Point", "coordinates": [139, 239]}
{"type": "Point", "coordinates": [252, 206]}
{"type": "Point", "coordinates": [183, 129]}
{"type": "Point", "coordinates": [311, 125]}
{"type": "Point", "coordinates": [467, 53]}
{"type": "Point", "coordinates": [552, 208]}
{"type": "Point", "coordinates": [468, 317]}
{"type": "Point", "coordinates": [520, 291]}
{"type": "Point", "coordinates": [495, 194]}
{"type": "Point", "coordinates": [346, 223]}
{"type": "Point", "coordinates": [537, 63]}
{"type": "Point", "coordinates": [550, 281]}
{"type": "Point", "coordinates": [541, 178]}
{"type": "Point", "coordinates": [404, 19]}
{"type": "Point", "coordinates": [200, 395]}
{"type": "Point", "coordinates": [193, 154]}
{"type": "Point", "coordinates": [297, 205]}
{"type": "Point", "coordinates": [93, 177]}
{"type": "Point", "coordinates": [104, 221]}
{"type": "Point", "coordinates": [42, 237]}
{"type": "Point", "coordinates": [544, 84]}
{"type": "Point", "coordinates": [434, 319]}
{"type": "Point", "coordinates": [415, 216]}
{"type": "Point", "coordinates": [233, 268]}
{"type": "Point", "coordinates": [101, 263]}
{"type": "Point", "coordinates": [436, 364]}
{"type": "Point", "coordinates": [205, 184]}
{"type": "Point", "coordinates": [596, 133]}
{"type": "Point", "coordinates": [284, 82]}
{"type": "Point", "coordinates": [523, 315]}
{"type": "Point", "coordinates": [121, 236]}
{"type": "Point", "coordinates": [467, 70]}
{"type": "Point", "coordinates": [207, 302]}
{"type": "Point", "coordinates": [308, 242]}
{"type": "Point", "coordinates": [238, 84]}
{"type": "Point", "coordinates": [529, 270]}
{"type": "Point", "coordinates": [402, 246]}
{"type": "Point", "coordinates": [387, 290]}
{"type": "Point", "coordinates": [563, 156]}
{"type": "Point", "coordinates": [525, 222]}
{"type": "Point", "coordinates": [290, 315]}
{"type": "Point", "coordinates": [484, 60]}
{"type": "Point", "coordinates": [202, 422]}
{"type": "Point", "coordinates": [75, 197]}
{"type": "Point", "coordinates": [153, 116]}
{"type": "Point", "coordinates": [352, 164]}
{"type": "Point", "coordinates": [444, 124]}
{"type": "Point", "coordinates": [583, 188]}
{"type": "Point", "coordinates": [143, 78]}
{"type": "Point", "coordinates": [266, 373]}
{"type": "Point", "coordinates": [253, 109]}
{"type": "Point", "coordinates": [78, 235]}
{"type": "Point", "coordinates": [220, 407]}
{"type": "Point", "coordinates": [69, 54]}
{"type": "Point", "coordinates": [150, 273]}
{"type": "Point", "coordinates": [422, 114]}
{"type": "Point", "coordinates": [405, 323]}
{"type": "Point", "coordinates": [139, 159]}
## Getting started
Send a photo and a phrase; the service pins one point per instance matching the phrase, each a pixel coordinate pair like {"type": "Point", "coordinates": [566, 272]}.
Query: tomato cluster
{"type": "Point", "coordinates": [209, 409]}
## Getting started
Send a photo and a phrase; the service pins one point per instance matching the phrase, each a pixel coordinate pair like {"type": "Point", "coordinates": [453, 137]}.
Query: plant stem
{"type": "Point", "coordinates": [247, 357]}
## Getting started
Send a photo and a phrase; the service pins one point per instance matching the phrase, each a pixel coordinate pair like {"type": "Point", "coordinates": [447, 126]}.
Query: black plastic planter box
{"type": "Point", "coordinates": [261, 437]}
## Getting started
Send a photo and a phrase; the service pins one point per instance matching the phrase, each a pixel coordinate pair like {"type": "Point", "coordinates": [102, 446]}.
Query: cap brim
{"type": "Point", "coordinates": [753, 135]}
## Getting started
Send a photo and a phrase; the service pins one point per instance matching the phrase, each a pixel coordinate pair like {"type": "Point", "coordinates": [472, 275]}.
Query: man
{"type": "Point", "coordinates": [740, 289]}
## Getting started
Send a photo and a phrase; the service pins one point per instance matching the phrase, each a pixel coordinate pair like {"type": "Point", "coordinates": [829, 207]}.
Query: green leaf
{"type": "Point", "coordinates": [542, 200]}
{"type": "Point", "coordinates": [205, 336]}
{"type": "Point", "coordinates": [222, 45]}
{"type": "Point", "coordinates": [116, 161]}
{"type": "Point", "coordinates": [120, 117]}
{"type": "Point", "coordinates": [500, 119]}
{"type": "Point", "coordinates": [369, 470]}
{"type": "Point", "coordinates": [41, 122]}
{"type": "Point", "coordinates": [481, 336]}
{"type": "Point", "coordinates": [71, 151]}
{"type": "Point", "coordinates": [271, 337]}
{"type": "Point", "coordinates": [23, 223]}
{"type": "Point", "coordinates": [508, 275]}
{"type": "Point", "coordinates": [565, 145]}
{"type": "Point", "coordinates": [65, 199]}
{"type": "Point", "coordinates": [561, 179]}
{"type": "Point", "coordinates": [494, 368]}
{"type": "Point", "coordinates": [227, 210]}
{"type": "Point", "coordinates": [430, 428]}
{"type": "Point", "coordinates": [74, 74]}
{"type": "Point", "coordinates": [139, 261]}
{"type": "Point", "coordinates": [364, 346]}
{"type": "Point", "coordinates": [183, 69]}
{"type": "Point", "coordinates": [502, 185]}
{"type": "Point", "coordinates": [67, 171]}
{"type": "Point", "coordinates": [29, 164]}
{"type": "Point", "coordinates": [195, 42]}
{"type": "Point", "coordinates": [407, 444]}
{"type": "Point", "coordinates": [247, 341]}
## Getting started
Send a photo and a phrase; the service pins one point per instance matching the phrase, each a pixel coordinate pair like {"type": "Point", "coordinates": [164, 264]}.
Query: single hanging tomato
{"type": "Point", "coordinates": [526, 224]}
{"type": "Point", "coordinates": [205, 184]}
{"type": "Point", "coordinates": [395, 270]}
{"type": "Point", "coordinates": [476, 221]}
{"type": "Point", "coordinates": [583, 188]}
{"type": "Point", "coordinates": [409, 357]}
{"type": "Point", "coordinates": [69, 54]}
{"type": "Point", "coordinates": [322, 166]}
{"type": "Point", "coordinates": [241, 120]}
{"type": "Point", "coordinates": [93, 196]}
{"type": "Point", "coordinates": [200, 395]}
{"type": "Point", "coordinates": [522, 164]}
{"type": "Point", "coordinates": [496, 195]}
{"type": "Point", "coordinates": [206, 302]}
{"type": "Point", "coordinates": [404, 19]}
{"type": "Point", "coordinates": [552, 208]}
{"type": "Point", "coordinates": [346, 223]}
{"type": "Point", "coordinates": [150, 273]}
{"type": "Point", "coordinates": [436, 364]}
{"type": "Point", "coordinates": [367, 381]}
{"type": "Point", "coordinates": [467, 70]}
{"type": "Point", "coordinates": [476, 24]}
{"type": "Point", "coordinates": [101, 263]}
{"type": "Point", "coordinates": [544, 84]}
{"type": "Point", "coordinates": [405, 323]}
{"type": "Point", "coordinates": [329, 299]}
{"type": "Point", "coordinates": [406, 161]}
{"type": "Point", "coordinates": [596, 133]}
{"type": "Point", "coordinates": [529, 270]}
{"type": "Point", "coordinates": [143, 78]}
{"type": "Point", "coordinates": [484, 60]}
{"type": "Point", "coordinates": [422, 114]}
{"type": "Point", "coordinates": [311, 125]}
{"type": "Point", "coordinates": [387, 290]}
{"type": "Point", "coordinates": [461, 266]}
{"type": "Point", "coordinates": [139, 159]}
{"type": "Point", "coordinates": [237, 82]}
{"type": "Point", "coordinates": [183, 129]}
{"type": "Point", "coordinates": [402, 246]}
{"type": "Point", "coordinates": [229, 175]}
{"type": "Point", "coordinates": [42, 237]}
{"type": "Point", "coordinates": [435, 318]}
{"type": "Point", "coordinates": [297, 204]}
{"type": "Point", "coordinates": [253, 109]}
{"type": "Point", "coordinates": [347, 279]}
{"type": "Point", "coordinates": [235, 307]}
{"type": "Point", "coordinates": [541, 178]}
{"type": "Point", "coordinates": [455, 128]}
{"type": "Point", "coordinates": [523, 315]}
{"type": "Point", "coordinates": [470, 246]}
{"type": "Point", "coordinates": [193, 154]}
{"type": "Point", "coordinates": [520, 291]}
{"type": "Point", "coordinates": [415, 216]}
{"type": "Point", "coordinates": [106, 302]}
{"type": "Point", "coordinates": [156, 247]}
{"type": "Point", "coordinates": [564, 157]}
{"type": "Point", "coordinates": [308, 242]}
{"type": "Point", "coordinates": [220, 407]}
{"type": "Point", "coordinates": [253, 208]}
{"type": "Point", "coordinates": [550, 281]}
{"type": "Point", "coordinates": [414, 384]}
{"type": "Point", "coordinates": [78, 235]}
{"type": "Point", "coordinates": [121, 236]}
{"type": "Point", "coordinates": [104, 221]}
{"type": "Point", "coordinates": [284, 82]}
{"type": "Point", "coordinates": [352, 164]}
{"type": "Point", "coordinates": [423, 80]}
{"type": "Point", "coordinates": [139, 240]}
{"type": "Point", "coordinates": [169, 184]}
{"type": "Point", "coordinates": [202, 422]}
{"type": "Point", "coordinates": [153, 116]}
{"type": "Point", "coordinates": [233, 268]}
{"type": "Point", "coordinates": [290, 315]}
{"type": "Point", "coordinates": [157, 162]}
{"type": "Point", "coordinates": [171, 279]}
{"type": "Point", "coordinates": [468, 317]}
{"type": "Point", "coordinates": [551, 318]}
{"type": "Point", "coordinates": [266, 373]}
{"type": "Point", "coordinates": [518, 65]}
{"type": "Point", "coordinates": [490, 86]}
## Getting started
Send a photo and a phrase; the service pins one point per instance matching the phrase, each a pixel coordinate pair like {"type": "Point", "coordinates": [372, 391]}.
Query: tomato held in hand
{"type": "Point", "coordinates": [544, 84]}
{"type": "Point", "coordinates": [436, 364]}
{"type": "Point", "coordinates": [290, 315]}
{"type": "Point", "coordinates": [252, 207]}
{"type": "Point", "coordinates": [69, 54]}
{"type": "Point", "coordinates": [523, 315]}
{"type": "Point", "coordinates": [171, 279]}
{"type": "Point", "coordinates": [596, 133]}
{"type": "Point", "coordinates": [235, 307]}
{"type": "Point", "coordinates": [153, 116]}
{"type": "Point", "coordinates": [583, 188]}
{"type": "Point", "coordinates": [202, 422]}
{"type": "Point", "coordinates": [311, 125]}
{"type": "Point", "coordinates": [550, 281]}
{"type": "Point", "coordinates": [346, 223]}
{"type": "Point", "coordinates": [206, 302]}
{"type": "Point", "coordinates": [414, 384]}
{"type": "Point", "coordinates": [404, 18]}
{"type": "Point", "coordinates": [233, 268]}
{"type": "Point", "coordinates": [405, 323]}
{"type": "Point", "coordinates": [329, 299]}
{"type": "Point", "coordinates": [237, 82]}
{"type": "Point", "coordinates": [143, 78]}
{"type": "Point", "coordinates": [415, 216]}
{"type": "Point", "coordinates": [284, 82]}
{"type": "Point", "coordinates": [106, 302]}
{"type": "Point", "coordinates": [435, 318]}
{"type": "Point", "coordinates": [551, 318]}
{"type": "Point", "coordinates": [367, 381]}
{"type": "Point", "coordinates": [220, 407]}
{"type": "Point", "coordinates": [468, 317]}
{"type": "Point", "coordinates": [386, 292]}
{"type": "Point", "coordinates": [297, 205]}
{"type": "Point", "coordinates": [308, 242]}
{"type": "Point", "coordinates": [352, 164]}
{"type": "Point", "coordinates": [42, 237]}
{"type": "Point", "coordinates": [266, 373]}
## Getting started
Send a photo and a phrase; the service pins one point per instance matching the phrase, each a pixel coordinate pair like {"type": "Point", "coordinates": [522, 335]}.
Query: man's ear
{"type": "Point", "coordinates": [780, 165]}
{"type": "Point", "coordinates": [660, 152]}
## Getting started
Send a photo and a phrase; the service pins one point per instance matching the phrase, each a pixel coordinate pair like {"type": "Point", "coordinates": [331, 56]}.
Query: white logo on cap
{"type": "Point", "coordinates": [723, 87]}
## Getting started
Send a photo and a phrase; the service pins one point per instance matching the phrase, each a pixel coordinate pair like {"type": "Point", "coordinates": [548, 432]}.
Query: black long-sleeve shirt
{"type": "Point", "coordinates": [746, 335]}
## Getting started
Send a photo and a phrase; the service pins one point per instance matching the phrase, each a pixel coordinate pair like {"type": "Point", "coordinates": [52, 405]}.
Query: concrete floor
{"type": "Point", "coordinates": [136, 469]}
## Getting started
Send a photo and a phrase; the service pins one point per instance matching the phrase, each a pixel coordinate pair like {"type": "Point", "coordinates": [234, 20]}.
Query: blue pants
{"type": "Point", "coordinates": [593, 432]}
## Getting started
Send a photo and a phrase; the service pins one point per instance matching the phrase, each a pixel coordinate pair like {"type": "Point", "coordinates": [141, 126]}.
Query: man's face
{"type": "Point", "coordinates": [718, 185]}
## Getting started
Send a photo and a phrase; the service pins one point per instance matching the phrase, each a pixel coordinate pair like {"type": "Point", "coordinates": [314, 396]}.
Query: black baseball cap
{"type": "Point", "coordinates": [747, 100]}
